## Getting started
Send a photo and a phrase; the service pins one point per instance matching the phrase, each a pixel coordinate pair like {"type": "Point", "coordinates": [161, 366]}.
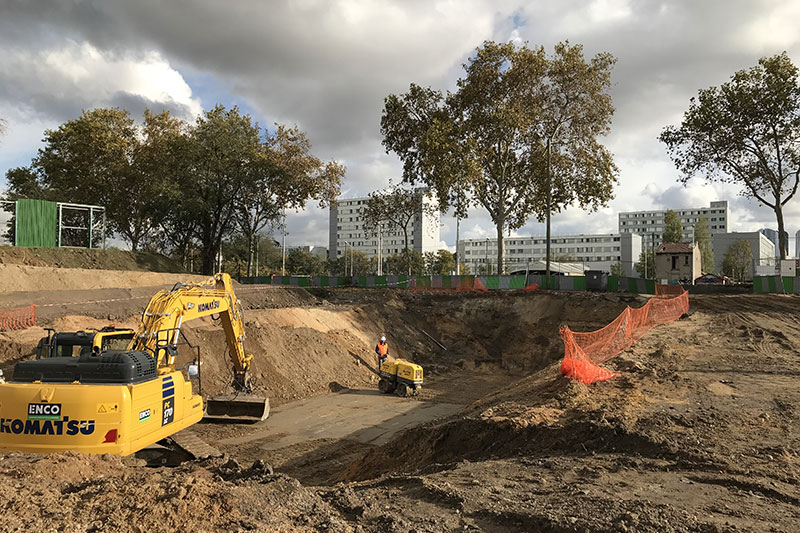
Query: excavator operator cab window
{"type": "Point", "coordinates": [117, 343]}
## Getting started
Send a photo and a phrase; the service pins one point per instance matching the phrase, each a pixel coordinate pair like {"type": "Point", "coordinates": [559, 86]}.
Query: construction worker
{"type": "Point", "coordinates": [382, 349]}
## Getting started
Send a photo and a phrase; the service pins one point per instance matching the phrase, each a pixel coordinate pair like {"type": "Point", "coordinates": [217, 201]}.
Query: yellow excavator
{"type": "Point", "coordinates": [120, 401]}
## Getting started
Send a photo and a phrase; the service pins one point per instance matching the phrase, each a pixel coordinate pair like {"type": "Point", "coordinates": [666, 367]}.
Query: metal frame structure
{"type": "Point", "coordinates": [62, 206]}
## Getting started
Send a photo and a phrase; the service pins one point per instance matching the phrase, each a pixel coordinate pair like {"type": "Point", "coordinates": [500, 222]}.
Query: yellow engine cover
{"type": "Point", "coordinates": [94, 419]}
{"type": "Point", "coordinates": [403, 369]}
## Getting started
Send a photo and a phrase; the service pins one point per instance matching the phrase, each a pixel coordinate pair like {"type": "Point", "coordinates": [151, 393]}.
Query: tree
{"type": "Point", "coordinates": [616, 269]}
{"type": "Point", "coordinates": [399, 263]}
{"type": "Point", "coordinates": [703, 239]}
{"type": "Point", "coordinates": [360, 263]}
{"type": "Point", "coordinates": [286, 177]}
{"type": "Point", "coordinates": [736, 262]}
{"type": "Point", "coordinates": [395, 207]}
{"type": "Point", "coordinates": [518, 137]}
{"type": "Point", "coordinates": [301, 262]}
{"type": "Point", "coordinates": [746, 132]}
{"type": "Point", "coordinates": [104, 158]}
{"type": "Point", "coordinates": [439, 262]}
{"type": "Point", "coordinates": [646, 259]}
{"type": "Point", "coordinates": [673, 231]}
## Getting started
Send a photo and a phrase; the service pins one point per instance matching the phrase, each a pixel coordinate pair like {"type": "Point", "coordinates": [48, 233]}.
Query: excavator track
{"type": "Point", "coordinates": [189, 442]}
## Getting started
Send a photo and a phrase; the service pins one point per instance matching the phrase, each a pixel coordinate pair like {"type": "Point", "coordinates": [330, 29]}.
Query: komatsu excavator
{"type": "Point", "coordinates": [120, 401]}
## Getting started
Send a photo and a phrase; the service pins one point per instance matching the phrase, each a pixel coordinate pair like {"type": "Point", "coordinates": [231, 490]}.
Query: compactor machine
{"type": "Point", "coordinates": [401, 377]}
{"type": "Point", "coordinates": [118, 401]}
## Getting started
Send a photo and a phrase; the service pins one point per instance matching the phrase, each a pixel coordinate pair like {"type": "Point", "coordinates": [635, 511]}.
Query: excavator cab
{"type": "Point", "coordinates": [77, 343]}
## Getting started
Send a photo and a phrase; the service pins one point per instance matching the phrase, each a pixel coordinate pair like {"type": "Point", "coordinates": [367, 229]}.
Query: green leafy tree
{"type": "Point", "coordinates": [616, 269]}
{"type": "Point", "coordinates": [673, 231]}
{"type": "Point", "coordinates": [301, 262]}
{"type": "Point", "coordinates": [287, 176]}
{"type": "Point", "coordinates": [359, 263]}
{"type": "Point", "coordinates": [703, 239]}
{"type": "Point", "coordinates": [439, 262]}
{"type": "Point", "coordinates": [746, 132]}
{"type": "Point", "coordinates": [105, 158]}
{"type": "Point", "coordinates": [399, 263]}
{"type": "Point", "coordinates": [736, 262]}
{"type": "Point", "coordinates": [464, 269]}
{"type": "Point", "coordinates": [518, 137]}
{"type": "Point", "coordinates": [646, 267]}
{"type": "Point", "coordinates": [394, 209]}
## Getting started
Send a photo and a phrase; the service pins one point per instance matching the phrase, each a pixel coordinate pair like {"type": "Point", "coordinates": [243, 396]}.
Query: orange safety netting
{"type": "Point", "coordinates": [668, 290]}
{"type": "Point", "coordinates": [531, 287]}
{"type": "Point", "coordinates": [584, 352]}
{"type": "Point", "coordinates": [471, 285]}
{"type": "Point", "coordinates": [18, 318]}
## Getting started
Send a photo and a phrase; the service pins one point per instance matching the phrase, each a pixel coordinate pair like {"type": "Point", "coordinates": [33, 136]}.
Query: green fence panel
{"type": "Point", "coordinates": [303, 282]}
{"type": "Point", "coordinates": [613, 283]}
{"type": "Point", "coordinates": [492, 282]}
{"type": "Point", "coordinates": [516, 282]}
{"type": "Point", "coordinates": [380, 281]}
{"type": "Point", "coordinates": [447, 282]}
{"type": "Point", "coordinates": [36, 223]}
{"type": "Point", "coordinates": [788, 285]}
{"type": "Point", "coordinates": [579, 283]}
{"type": "Point", "coordinates": [771, 281]}
{"type": "Point", "coordinates": [757, 284]}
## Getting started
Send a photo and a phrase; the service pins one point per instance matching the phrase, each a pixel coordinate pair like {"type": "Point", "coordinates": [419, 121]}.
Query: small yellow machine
{"type": "Point", "coordinates": [401, 377]}
{"type": "Point", "coordinates": [120, 401]}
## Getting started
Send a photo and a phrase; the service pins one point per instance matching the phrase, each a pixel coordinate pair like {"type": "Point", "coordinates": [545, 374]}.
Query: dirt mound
{"type": "Point", "coordinates": [104, 494]}
{"type": "Point", "coordinates": [88, 259]}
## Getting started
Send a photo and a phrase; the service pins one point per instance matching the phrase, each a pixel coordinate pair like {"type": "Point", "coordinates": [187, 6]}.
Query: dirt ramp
{"type": "Point", "coordinates": [14, 278]}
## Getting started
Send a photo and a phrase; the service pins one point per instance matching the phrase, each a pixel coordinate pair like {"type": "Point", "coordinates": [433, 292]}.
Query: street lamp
{"type": "Point", "coordinates": [346, 244]}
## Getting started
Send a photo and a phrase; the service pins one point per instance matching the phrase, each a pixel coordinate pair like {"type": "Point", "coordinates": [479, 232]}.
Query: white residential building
{"type": "Point", "coordinates": [317, 251]}
{"type": "Point", "coordinates": [650, 223]}
{"type": "Point", "coordinates": [763, 259]}
{"type": "Point", "coordinates": [347, 230]}
{"type": "Point", "coordinates": [797, 244]}
{"type": "Point", "coordinates": [595, 252]}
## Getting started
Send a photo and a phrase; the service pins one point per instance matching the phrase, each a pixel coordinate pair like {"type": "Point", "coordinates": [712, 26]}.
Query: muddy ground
{"type": "Point", "coordinates": [700, 432]}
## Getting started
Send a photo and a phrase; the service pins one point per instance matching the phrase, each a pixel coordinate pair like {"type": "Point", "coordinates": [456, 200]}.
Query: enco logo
{"type": "Point", "coordinates": [44, 411]}
{"type": "Point", "coordinates": [208, 306]}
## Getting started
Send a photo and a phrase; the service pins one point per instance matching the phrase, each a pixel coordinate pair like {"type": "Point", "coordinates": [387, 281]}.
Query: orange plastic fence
{"type": "Point", "coordinates": [668, 290]}
{"type": "Point", "coordinates": [584, 352]}
{"type": "Point", "coordinates": [531, 287]}
{"type": "Point", "coordinates": [18, 318]}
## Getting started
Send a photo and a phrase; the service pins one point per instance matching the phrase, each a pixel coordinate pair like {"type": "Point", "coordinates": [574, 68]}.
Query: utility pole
{"type": "Point", "coordinates": [458, 256]}
{"type": "Point", "coordinates": [380, 249]}
{"type": "Point", "coordinates": [258, 238]}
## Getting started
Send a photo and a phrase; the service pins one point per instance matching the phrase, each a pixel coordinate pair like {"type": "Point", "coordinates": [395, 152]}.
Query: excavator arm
{"type": "Point", "coordinates": [168, 310]}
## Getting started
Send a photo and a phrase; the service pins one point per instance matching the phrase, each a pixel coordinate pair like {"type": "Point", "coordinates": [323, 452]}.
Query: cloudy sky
{"type": "Point", "coordinates": [327, 65]}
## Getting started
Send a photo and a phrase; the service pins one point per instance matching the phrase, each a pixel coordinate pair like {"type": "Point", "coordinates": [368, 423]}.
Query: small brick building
{"type": "Point", "coordinates": [678, 261]}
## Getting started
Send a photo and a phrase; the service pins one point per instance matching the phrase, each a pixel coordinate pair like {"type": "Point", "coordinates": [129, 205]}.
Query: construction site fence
{"type": "Point", "coordinates": [18, 318]}
{"type": "Point", "coordinates": [776, 284]}
{"type": "Point", "coordinates": [505, 282]}
{"type": "Point", "coordinates": [584, 352]}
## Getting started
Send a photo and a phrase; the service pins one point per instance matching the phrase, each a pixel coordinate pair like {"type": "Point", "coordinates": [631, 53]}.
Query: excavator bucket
{"type": "Point", "coordinates": [237, 408]}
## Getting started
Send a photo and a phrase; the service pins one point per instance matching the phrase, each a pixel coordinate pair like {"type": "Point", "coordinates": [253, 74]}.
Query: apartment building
{"type": "Point", "coordinates": [650, 223]}
{"type": "Point", "coordinates": [347, 230]}
{"type": "Point", "coordinates": [594, 252]}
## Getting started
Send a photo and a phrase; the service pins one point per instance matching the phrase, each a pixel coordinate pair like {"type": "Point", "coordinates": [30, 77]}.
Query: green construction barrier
{"type": "Point", "coordinates": [492, 282]}
{"type": "Point", "coordinates": [757, 283]}
{"type": "Point", "coordinates": [579, 283]}
{"type": "Point", "coordinates": [613, 283]}
{"type": "Point", "coordinates": [771, 282]}
{"type": "Point", "coordinates": [36, 223]}
{"type": "Point", "coordinates": [788, 285]}
{"type": "Point", "coordinates": [516, 282]}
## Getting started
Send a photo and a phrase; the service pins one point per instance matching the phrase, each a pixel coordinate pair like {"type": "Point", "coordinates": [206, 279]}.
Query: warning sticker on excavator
{"type": "Point", "coordinates": [103, 408]}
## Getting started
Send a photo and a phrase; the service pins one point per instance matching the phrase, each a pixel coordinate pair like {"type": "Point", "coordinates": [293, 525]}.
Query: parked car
{"type": "Point", "coordinates": [712, 278]}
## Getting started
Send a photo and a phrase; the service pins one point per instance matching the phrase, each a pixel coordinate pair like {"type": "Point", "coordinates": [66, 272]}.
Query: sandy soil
{"type": "Point", "coordinates": [700, 433]}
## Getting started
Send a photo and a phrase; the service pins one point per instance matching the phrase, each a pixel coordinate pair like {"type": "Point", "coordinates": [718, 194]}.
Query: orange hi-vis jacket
{"type": "Point", "coordinates": [382, 349]}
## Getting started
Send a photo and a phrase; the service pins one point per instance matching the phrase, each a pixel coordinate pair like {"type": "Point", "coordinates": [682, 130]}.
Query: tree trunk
{"type": "Point", "coordinates": [781, 237]}
{"type": "Point", "coordinates": [500, 226]}
{"type": "Point", "coordinates": [548, 207]}
{"type": "Point", "coordinates": [250, 250]}
{"type": "Point", "coordinates": [408, 253]}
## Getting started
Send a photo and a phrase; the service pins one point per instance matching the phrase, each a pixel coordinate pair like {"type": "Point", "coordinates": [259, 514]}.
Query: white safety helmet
{"type": "Point", "coordinates": [383, 338]}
